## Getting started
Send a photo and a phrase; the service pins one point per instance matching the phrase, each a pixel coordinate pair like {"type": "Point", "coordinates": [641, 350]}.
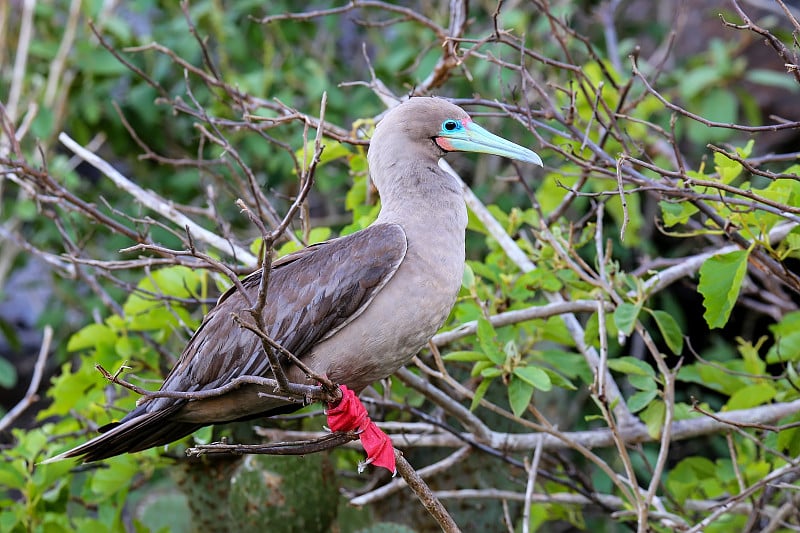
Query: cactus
{"type": "Point", "coordinates": [262, 492]}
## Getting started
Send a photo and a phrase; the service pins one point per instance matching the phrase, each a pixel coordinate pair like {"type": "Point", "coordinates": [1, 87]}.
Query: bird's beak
{"type": "Point", "coordinates": [473, 138]}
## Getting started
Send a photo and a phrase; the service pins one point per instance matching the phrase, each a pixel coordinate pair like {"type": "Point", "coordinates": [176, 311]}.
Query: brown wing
{"type": "Point", "coordinates": [312, 294]}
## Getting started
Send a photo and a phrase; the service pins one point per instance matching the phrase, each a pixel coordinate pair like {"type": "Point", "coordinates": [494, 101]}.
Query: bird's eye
{"type": "Point", "coordinates": [450, 125]}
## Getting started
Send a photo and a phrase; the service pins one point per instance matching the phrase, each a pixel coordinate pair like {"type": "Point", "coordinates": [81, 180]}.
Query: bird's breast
{"type": "Point", "coordinates": [406, 313]}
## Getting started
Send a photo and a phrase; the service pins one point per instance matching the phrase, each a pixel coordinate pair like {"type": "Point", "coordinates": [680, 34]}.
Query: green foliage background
{"type": "Point", "coordinates": [690, 359]}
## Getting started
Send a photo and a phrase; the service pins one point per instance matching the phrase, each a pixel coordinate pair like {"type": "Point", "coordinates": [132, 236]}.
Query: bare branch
{"type": "Point", "coordinates": [31, 395]}
{"type": "Point", "coordinates": [156, 203]}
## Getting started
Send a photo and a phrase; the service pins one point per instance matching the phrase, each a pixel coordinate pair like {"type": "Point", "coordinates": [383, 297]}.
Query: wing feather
{"type": "Point", "coordinates": [312, 294]}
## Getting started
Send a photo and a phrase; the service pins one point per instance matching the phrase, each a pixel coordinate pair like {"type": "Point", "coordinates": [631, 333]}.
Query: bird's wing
{"type": "Point", "coordinates": [252, 280]}
{"type": "Point", "coordinates": [311, 295]}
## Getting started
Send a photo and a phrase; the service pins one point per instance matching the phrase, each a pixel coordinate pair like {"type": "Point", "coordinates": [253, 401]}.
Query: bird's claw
{"type": "Point", "coordinates": [362, 465]}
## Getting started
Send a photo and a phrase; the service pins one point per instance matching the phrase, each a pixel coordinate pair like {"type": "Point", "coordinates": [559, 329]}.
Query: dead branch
{"type": "Point", "coordinates": [31, 394]}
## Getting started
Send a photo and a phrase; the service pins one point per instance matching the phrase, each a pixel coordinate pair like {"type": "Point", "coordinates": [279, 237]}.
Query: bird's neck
{"type": "Point", "coordinates": [422, 196]}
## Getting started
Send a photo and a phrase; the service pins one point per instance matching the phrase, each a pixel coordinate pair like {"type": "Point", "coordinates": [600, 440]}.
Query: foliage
{"type": "Point", "coordinates": [625, 343]}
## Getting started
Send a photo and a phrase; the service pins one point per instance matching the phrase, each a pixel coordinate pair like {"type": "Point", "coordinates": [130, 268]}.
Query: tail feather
{"type": "Point", "coordinates": [135, 434]}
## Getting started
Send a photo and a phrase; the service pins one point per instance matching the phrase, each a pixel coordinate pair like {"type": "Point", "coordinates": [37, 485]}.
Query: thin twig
{"type": "Point", "coordinates": [156, 203]}
{"type": "Point", "coordinates": [298, 447]}
{"type": "Point", "coordinates": [31, 395]}
{"type": "Point", "coordinates": [294, 392]}
{"type": "Point", "coordinates": [533, 469]}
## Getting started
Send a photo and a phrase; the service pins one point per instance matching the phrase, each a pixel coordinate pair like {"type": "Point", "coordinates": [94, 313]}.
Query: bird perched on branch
{"type": "Point", "coordinates": [354, 309]}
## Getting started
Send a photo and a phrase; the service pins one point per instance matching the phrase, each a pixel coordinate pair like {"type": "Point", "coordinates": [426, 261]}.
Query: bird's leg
{"type": "Point", "coordinates": [348, 415]}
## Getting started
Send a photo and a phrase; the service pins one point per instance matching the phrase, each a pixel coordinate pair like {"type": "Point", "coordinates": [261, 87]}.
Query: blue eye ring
{"type": "Point", "coordinates": [451, 125]}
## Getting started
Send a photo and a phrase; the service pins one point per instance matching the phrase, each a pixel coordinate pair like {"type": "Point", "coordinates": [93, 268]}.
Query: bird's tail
{"type": "Point", "coordinates": [135, 434]}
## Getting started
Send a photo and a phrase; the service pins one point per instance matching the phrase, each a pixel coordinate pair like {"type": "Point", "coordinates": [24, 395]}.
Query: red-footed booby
{"type": "Point", "coordinates": [355, 308]}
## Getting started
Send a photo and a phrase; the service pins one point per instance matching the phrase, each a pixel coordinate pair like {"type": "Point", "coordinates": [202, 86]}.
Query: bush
{"type": "Point", "coordinates": [624, 348]}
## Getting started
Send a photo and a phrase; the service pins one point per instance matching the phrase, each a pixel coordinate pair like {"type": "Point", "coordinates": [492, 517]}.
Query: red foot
{"type": "Point", "coordinates": [350, 415]}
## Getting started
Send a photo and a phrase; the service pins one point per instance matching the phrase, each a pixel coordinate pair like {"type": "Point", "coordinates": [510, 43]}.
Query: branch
{"type": "Point", "coordinates": [31, 395]}
{"type": "Point", "coordinates": [430, 436]}
{"type": "Point", "coordinates": [519, 257]}
{"type": "Point", "coordinates": [518, 315]}
{"type": "Point", "coordinates": [256, 311]}
{"type": "Point", "coordinates": [298, 447]}
{"type": "Point", "coordinates": [425, 495]}
{"type": "Point", "coordinates": [157, 203]}
{"type": "Point", "coordinates": [294, 392]}
{"type": "Point", "coordinates": [689, 265]}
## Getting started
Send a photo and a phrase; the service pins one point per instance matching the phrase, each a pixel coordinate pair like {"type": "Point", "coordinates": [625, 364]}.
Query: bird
{"type": "Point", "coordinates": [355, 308]}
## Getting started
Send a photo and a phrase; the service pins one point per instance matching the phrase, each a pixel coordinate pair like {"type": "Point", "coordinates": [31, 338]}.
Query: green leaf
{"type": "Point", "coordinates": [42, 125]}
{"type": "Point", "coordinates": [31, 443]}
{"type": "Point", "coordinates": [541, 278]}
{"type": "Point", "coordinates": [468, 279]}
{"type": "Point", "coordinates": [12, 474]}
{"type": "Point", "coordinates": [468, 356]}
{"type": "Point", "coordinates": [124, 347]}
{"type": "Point", "coordinates": [203, 435]}
{"type": "Point", "coordinates": [686, 475]}
{"type": "Point", "coordinates": [319, 234]}
{"type": "Point", "coordinates": [753, 363]}
{"type": "Point", "coordinates": [156, 318]}
{"type": "Point", "coordinates": [712, 377]}
{"type": "Point", "coordinates": [676, 212]}
{"type": "Point", "coordinates": [177, 281]}
{"type": "Point", "coordinates": [653, 417]}
{"type": "Point", "coordinates": [26, 209]}
{"type": "Point", "coordinates": [520, 392]}
{"type": "Point", "coordinates": [631, 365]}
{"type": "Point", "coordinates": [118, 476]}
{"type": "Point", "coordinates": [772, 78]}
{"type": "Point", "coordinates": [491, 372]}
{"type": "Point", "coordinates": [90, 337]}
{"type": "Point", "coordinates": [745, 152]}
{"type": "Point", "coordinates": [534, 376]}
{"type": "Point", "coordinates": [255, 246]}
{"type": "Point", "coordinates": [98, 61]}
{"type": "Point", "coordinates": [788, 439]}
{"type": "Point", "coordinates": [486, 339]}
{"type": "Point", "coordinates": [696, 80]}
{"type": "Point", "coordinates": [643, 383]}
{"type": "Point", "coordinates": [559, 381]}
{"type": "Point", "coordinates": [670, 330]}
{"type": "Point", "coordinates": [8, 374]}
{"type": "Point", "coordinates": [511, 351]}
{"type": "Point", "coordinates": [721, 279]}
{"type": "Point", "coordinates": [641, 399]}
{"type": "Point", "coordinates": [480, 392]}
{"type": "Point", "coordinates": [570, 364]}
{"type": "Point", "coordinates": [717, 105]}
{"type": "Point", "coordinates": [751, 396]}
{"type": "Point", "coordinates": [727, 168]}
{"type": "Point", "coordinates": [625, 317]}
{"type": "Point", "coordinates": [480, 366]}
{"type": "Point", "coordinates": [332, 150]}
{"type": "Point", "coordinates": [787, 342]}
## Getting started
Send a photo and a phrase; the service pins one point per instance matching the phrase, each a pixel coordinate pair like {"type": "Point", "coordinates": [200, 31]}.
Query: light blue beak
{"type": "Point", "coordinates": [469, 137]}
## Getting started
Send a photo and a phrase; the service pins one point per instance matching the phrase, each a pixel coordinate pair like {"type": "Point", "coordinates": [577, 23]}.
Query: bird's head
{"type": "Point", "coordinates": [432, 127]}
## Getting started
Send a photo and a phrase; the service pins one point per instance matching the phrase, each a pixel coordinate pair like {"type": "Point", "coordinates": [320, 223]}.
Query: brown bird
{"type": "Point", "coordinates": [355, 308]}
